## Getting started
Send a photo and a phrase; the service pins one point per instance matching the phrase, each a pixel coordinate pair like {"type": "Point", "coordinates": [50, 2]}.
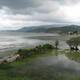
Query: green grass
{"type": "Point", "coordinates": [4, 68]}
{"type": "Point", "coordinates": [74, 54]}
{"type": "Point", "coordinates": [53, 73]}
{"type": "Point", "coordinates": [33, 58]}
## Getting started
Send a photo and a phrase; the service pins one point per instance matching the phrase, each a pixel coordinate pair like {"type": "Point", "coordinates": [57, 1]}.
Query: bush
{"type": "Point", "coordinates": [37, 50]}
{"type": "Point", "coordinates": [74, 43]}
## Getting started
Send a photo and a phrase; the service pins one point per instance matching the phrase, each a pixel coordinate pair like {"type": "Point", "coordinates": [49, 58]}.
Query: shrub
{"type": "Point", "coordinates": [37, 50]}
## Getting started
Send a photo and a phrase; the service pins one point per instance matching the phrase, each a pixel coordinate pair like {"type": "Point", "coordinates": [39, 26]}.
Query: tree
{"type": "Point", "coordinates": [74, 43]}
{"type": "Point", "coordinates": [56, 44]}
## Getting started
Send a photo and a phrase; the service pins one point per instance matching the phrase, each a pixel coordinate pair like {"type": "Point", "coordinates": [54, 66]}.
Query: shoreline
{"type": "Point", "coordinates": [29, 52]}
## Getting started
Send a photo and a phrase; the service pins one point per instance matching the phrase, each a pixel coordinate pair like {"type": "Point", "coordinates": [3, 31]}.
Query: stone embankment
{"type": "Point", "coordinates": [10, 58]}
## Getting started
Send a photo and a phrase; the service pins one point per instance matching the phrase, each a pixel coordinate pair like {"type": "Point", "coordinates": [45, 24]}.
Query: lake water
{"type": "Point", "coordinates": [10, 41]}
{"type": "Point", "coordinates": [55, 67]}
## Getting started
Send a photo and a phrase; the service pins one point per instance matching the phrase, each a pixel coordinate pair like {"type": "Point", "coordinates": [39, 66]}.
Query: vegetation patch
{"type": "Point", "coordinates": [24, 53]}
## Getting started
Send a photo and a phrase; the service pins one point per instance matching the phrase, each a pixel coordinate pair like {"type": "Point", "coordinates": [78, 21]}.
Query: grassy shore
{"type": "Point", "coordinates": [16, 69]}
{"type": "Point", "coordinates": [6, 67]}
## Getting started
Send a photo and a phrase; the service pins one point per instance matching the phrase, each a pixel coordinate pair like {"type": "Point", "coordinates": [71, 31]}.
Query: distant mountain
{"type": "Point", "coordinates": [64, 29]}
{"type": "Point", "coordinates": [51, 28]}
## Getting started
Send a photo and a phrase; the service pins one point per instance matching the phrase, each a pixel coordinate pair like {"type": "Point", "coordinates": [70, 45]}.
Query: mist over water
{"type": "Point", "coordinates": [10, 41]}
{"type": "Point", "coordinates": [48, 66]}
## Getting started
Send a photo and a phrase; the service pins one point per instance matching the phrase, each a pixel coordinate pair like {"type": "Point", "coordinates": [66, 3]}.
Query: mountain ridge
{"type": "Point", "coordinates": [51, 28]}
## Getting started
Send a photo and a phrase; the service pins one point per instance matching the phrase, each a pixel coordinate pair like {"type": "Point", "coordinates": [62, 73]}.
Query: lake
{"type": "Point", "coordinates": [10, 42]}
{"type": "Point", "coordinates": [55, 67]}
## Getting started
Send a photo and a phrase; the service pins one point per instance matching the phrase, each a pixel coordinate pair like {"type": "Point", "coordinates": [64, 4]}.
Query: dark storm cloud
{"type": "Point", "coordinates": [19, 4]}
{"type": "Point", "coordinates": [27, 6]}
{"type": "Point", "coordinates": [22, 4]}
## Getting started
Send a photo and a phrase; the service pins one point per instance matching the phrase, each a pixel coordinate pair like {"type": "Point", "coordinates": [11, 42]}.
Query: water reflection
{"type": "Point", "coordinates": [58, 67]}
{"type": "Point", "coordinates": [10, 42]}
{"type": "Point", "coordinates": [61, 61]}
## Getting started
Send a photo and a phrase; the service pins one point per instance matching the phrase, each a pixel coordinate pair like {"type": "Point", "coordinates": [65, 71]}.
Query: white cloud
{"type": "Point", "coordinates": [49, 12]}
{"type": "Point", "coordinates": [12, 21]}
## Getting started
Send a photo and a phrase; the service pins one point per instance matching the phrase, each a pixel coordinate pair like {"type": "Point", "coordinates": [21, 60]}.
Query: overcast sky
{"type": "Point", "coordinates": [15, 14]}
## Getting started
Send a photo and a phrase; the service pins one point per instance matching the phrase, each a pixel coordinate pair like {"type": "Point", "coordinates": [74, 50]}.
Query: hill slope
{"type": "Point", "coordinates": [70, 28]}
{"type": "Point", "coordinates": [50, 28]}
